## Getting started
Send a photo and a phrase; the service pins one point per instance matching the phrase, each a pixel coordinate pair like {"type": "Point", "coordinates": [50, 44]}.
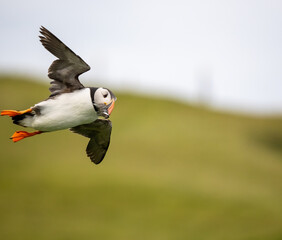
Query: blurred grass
{"type": "Point", "coordinates": [172, 171]}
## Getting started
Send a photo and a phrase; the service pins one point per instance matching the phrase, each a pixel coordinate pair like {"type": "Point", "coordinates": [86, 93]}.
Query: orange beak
{"type": "Point", "coordinates": [110, 109]}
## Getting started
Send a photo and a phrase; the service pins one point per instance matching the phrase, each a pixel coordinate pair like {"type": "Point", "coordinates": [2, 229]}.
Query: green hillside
{"type": "Point", "coordinates": [172, 171]}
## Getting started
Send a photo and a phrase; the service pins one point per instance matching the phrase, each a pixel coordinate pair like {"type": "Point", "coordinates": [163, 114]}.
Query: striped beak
{"type": "Point", "coordinates": [111, 106]}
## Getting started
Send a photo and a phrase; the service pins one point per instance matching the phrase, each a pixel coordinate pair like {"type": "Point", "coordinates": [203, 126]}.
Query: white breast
{"type": "Point", "coordinates": [65, 111]}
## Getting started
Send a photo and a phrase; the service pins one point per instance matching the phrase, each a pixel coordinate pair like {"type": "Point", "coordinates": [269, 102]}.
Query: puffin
{"type": "Point", "coordinates": [83, 110]}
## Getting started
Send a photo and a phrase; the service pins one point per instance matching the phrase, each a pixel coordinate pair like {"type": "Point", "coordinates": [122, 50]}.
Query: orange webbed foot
{"type": "Point", "coordinates": [19, 135]}
{"type": "Point", "coordinates": [12, 113]}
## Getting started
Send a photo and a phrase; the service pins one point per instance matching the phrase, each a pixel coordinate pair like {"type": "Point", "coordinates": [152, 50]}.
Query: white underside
{"type": "Point", "coordinates": [64, 111]}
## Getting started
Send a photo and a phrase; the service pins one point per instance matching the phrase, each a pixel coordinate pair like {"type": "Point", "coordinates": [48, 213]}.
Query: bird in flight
{"type": "Point", "coordinates": [83, 110]}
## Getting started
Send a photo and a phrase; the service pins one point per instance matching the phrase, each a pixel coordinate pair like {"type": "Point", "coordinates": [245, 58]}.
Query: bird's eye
{"type": "Point", "coordinates": [105, 95]}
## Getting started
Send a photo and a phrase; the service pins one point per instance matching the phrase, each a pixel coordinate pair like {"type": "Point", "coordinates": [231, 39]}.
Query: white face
{"type": "Point", "coordinates": [102, 96]}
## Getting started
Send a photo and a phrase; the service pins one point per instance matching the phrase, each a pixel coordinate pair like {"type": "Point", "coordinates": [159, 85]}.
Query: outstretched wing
{"type": "Point", "coordinates": [66, 69]}
{"type": "Point", "coordinates": [99, 133]}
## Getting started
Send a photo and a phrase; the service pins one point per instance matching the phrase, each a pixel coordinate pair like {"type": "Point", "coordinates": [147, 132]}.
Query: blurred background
{"type": "Point", "coordinates": [196, 148]}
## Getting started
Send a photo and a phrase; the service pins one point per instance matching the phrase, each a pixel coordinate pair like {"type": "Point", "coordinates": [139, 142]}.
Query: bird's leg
{"type": "Point", "coordinates": [19, 135]}
{"type": "Point", "coordinates": [12, 113]}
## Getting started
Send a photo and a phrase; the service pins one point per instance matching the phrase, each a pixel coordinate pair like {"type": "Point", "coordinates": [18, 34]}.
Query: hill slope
{"type": "Point", "coordinates": [172, 172]}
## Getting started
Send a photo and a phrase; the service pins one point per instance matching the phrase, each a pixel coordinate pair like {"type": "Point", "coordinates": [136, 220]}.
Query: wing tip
{"type": "Point", "coordinates": [95, 156]}
{"type": "Point", "coordinates": [44, 31]}
{"type": "Point", "coordinates": [42, 28]}
{"type": "Point", "coordinates": [44, 38]}
{"type": "Point", "coordinates": [94, 160]}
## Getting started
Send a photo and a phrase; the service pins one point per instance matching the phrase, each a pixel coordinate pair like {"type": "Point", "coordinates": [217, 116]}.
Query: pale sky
{"type": "Point", "coordinates": [226, 53]}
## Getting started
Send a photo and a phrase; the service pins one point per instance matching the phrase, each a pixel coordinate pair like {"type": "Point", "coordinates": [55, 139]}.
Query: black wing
{"type": "Point", "coordinates": [66, 69]}
{"type": "Point", "coordinates": [99, 133]}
